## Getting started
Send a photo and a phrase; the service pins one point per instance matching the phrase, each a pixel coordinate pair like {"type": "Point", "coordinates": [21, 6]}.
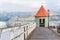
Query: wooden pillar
{"type": "Point", "coordinates": [24, 33]}
{"type": "Point", "coordinates": [27, 33]}
{"type": "Point", "coordinates": [0, 32]}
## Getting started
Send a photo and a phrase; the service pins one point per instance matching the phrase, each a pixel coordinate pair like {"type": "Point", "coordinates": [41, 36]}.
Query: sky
{"type": "Point", "coordinates": [28, 5]}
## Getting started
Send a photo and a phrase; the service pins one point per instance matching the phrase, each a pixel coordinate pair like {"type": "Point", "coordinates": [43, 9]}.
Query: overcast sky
{"type": "Point", "coordinates": [28, 5]}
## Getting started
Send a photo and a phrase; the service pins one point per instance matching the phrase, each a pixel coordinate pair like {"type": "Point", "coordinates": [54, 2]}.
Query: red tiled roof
{"type": "Point", "coordinates": [42, 12]}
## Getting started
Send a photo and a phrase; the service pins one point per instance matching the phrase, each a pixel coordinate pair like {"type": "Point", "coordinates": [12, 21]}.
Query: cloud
{"type": "Point", "coordinates": [28, 5]}
{"type": "Point", "coordinates": [20, 5]}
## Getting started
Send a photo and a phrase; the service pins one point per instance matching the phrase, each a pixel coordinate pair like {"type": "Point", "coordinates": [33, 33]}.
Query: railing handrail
{"type": "Point", "coordinates": [22, 33]}
{"type": "Point", "coordinates": [23, 26]}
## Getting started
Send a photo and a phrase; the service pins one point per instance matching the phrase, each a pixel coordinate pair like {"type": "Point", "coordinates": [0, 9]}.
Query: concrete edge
{"type": "Point", "coordinates": [55, 32]}
{"type": "Point", "coordinates": [30, 35]}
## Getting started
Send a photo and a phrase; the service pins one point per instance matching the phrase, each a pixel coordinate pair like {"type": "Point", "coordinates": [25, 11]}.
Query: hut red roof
{"type": "Point", "coordinates": [42, 12]}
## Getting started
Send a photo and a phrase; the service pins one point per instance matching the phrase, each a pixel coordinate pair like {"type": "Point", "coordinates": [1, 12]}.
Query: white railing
{"type": "Point", "coordinates": [17, 33]}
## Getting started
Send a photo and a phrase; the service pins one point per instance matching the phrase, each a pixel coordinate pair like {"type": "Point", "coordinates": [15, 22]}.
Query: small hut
{"type": "Point", "coordinates": [42, 18]}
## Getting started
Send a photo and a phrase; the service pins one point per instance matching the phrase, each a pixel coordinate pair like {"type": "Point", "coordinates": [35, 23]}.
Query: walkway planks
{"type": "Point", "coordinates": [44, 34]}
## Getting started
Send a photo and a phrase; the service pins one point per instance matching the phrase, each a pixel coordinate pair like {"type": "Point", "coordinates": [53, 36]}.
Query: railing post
{"type": "Point", "coordinates": [0, 32]}
{"type": "Point", "coordinates": [24, 33]}
{"type": "Point", "coordinates": [12, 33]}
{"type": "Point", "coordinates": [27, 32]}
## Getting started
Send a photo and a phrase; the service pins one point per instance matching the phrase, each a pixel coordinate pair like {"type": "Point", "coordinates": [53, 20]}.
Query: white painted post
{"type": "Point", "coordinates": [0, 32]}
{"type": "Point", "coordinates": [12, 34]}
{"type": "Point", "coordinates": [24, 33]}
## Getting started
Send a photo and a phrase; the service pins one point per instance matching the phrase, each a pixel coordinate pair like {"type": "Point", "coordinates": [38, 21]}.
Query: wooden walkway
{"type": "Point", "coordinates": [44, 34]}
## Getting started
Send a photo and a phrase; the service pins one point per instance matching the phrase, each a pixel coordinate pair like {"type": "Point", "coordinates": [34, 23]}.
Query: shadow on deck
{"type": "Point", "coordinates": [42, 33]}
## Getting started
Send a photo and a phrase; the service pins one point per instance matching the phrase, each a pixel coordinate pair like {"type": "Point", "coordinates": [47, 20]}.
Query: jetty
{"type": "Point", "coordinates": [37, 30]}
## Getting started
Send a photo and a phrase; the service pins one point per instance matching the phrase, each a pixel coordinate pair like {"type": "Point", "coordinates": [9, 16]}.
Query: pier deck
{"type": "Point", "coordinates": [44, 34]}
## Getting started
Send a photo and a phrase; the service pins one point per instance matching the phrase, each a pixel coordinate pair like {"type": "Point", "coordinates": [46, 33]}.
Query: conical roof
{"type": "Point", "coordinates": [42, 12]}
